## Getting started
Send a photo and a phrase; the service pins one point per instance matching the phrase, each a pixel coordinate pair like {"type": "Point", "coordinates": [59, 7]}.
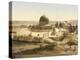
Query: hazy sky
{"type": "Point", "coordinates": [28, 11]}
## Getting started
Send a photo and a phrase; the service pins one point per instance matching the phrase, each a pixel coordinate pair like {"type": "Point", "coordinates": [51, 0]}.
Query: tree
{"type": "Point", "coordinates": [43, 20]}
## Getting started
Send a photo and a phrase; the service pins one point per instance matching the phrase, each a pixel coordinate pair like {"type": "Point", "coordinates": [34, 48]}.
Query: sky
{"type": "Point", "coordinates": [29, 11]}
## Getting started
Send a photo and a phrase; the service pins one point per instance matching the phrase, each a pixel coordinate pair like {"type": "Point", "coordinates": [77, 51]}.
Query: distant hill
{"type": "Point", "coordinates": [73, 22]}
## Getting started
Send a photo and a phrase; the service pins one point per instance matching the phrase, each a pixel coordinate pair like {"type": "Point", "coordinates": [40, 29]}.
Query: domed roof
{"type": "Point", "coordinates": [43, 20]}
